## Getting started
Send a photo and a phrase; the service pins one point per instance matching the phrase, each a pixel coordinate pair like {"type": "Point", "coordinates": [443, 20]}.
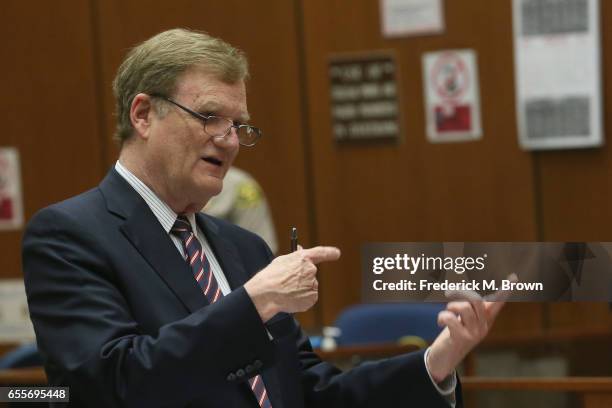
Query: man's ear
{"type": "Point", "coordinates": [140, 114]}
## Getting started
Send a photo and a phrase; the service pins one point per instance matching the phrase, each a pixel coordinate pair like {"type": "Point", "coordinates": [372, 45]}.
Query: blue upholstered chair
{"type": "Point", "coordinates": [22, 357]}
{"type": "Point", "coordinates": [388, 322]}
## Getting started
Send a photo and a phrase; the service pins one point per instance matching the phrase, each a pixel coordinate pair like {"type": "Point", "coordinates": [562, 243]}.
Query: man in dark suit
{"type": "Point", "coordinates": [139, 300]}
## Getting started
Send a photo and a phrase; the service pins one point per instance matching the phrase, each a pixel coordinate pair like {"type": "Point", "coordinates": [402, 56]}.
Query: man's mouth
{"type": "Point", "coordinates": [213, 160]}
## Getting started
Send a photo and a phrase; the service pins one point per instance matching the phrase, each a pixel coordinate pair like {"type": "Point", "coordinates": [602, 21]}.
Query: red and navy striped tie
{"type": "Point", "coordinates": [202, 272]}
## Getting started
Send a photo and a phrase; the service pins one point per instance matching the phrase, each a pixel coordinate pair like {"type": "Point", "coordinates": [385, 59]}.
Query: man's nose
{"type": "Point", "coordinates": [229, 140]}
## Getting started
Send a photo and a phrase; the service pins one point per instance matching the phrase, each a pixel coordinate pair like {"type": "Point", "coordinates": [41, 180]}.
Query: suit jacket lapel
{"type": "Point", "coordinates": [144, 231]}
{"type": "Point", "coordinates": [225, 251]}
{"type": "Point", "coordinates": [154, 244]}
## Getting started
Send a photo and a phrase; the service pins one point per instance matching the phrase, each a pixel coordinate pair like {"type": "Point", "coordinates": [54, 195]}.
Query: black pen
{"type": "Point", "coordinates": [294, 239]}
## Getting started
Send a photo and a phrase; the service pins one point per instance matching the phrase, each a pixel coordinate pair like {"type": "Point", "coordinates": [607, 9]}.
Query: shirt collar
{"type": "Point", "coordinates": [164, 214]}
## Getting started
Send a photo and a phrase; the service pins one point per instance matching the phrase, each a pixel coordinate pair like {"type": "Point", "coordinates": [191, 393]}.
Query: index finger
{"type": "Point", "coordinates": [321, 254]}
{"type": "Point", "coordinates": [502, 295]}
{"type": "Point", "coordinates": [469, 295]}
{"type": "Point", "coordinates": [496, 301]}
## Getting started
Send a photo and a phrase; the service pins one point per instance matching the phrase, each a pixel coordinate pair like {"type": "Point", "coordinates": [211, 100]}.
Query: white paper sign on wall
{"type": "Point", "coordinates": [557, 57]}
{"type": "Point", "coordinates": [15, 324]}
{"type": "Point", "coordinates": [11, 206]}
{"type": "Point", "coordinates": [402, 18]}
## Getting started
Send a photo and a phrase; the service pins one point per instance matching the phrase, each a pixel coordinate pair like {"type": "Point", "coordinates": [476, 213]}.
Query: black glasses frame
{"type": "Point", "coordinates": [206, 118]}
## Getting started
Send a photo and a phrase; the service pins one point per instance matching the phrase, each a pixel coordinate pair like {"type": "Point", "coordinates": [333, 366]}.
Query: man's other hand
{"type": "Point", "coordinates": [467, 322]}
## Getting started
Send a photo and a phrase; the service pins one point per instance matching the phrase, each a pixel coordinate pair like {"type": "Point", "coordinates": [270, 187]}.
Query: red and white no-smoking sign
{"type": "Point", "coordinates": [452, 98]}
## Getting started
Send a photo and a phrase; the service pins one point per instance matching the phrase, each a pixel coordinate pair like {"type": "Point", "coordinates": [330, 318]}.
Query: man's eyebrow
{"type": "Point", "coordinates": [210, 106]}
{"type": "Point", "coordinates": [217, 108]}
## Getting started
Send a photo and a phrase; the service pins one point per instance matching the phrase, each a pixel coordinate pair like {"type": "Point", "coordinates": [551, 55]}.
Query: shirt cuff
{"type": "Point", "coordinates": [446, 387]}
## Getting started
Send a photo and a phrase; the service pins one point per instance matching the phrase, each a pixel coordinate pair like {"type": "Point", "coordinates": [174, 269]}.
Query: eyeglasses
{"type": "Point", "coordinates": [219, 127]}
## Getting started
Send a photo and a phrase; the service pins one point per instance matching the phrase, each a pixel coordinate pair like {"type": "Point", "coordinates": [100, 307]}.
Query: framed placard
{"type": "Point", "coordinates": [363, 93]}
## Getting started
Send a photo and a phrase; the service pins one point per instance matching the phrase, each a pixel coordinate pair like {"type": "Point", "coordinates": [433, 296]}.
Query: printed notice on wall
{"type": "Point", "coordinates": [558, 73]}
{"type": "Point", "coordinates": [401, 18]}
{"type": "Point", "coordinates": [15, 324]}
{"type": "Point", "coordinates": [364, 97]}
{"type": "Point", "coordinates": [11, 208]}
{"type": "Point", "coordinates": [452, 96]}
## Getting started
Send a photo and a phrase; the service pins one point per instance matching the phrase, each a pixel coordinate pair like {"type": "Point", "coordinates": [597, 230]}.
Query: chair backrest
{"type": "Point", "coordinates": [23, 356]}
{"type": "Point", "coordinates": [388, 322]}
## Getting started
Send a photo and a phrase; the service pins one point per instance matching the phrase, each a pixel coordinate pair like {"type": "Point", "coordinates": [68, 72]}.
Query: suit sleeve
{"type": "Point", "coordinates": [90, 341]}
{"type": "Point", "coordinates": [400, 381]}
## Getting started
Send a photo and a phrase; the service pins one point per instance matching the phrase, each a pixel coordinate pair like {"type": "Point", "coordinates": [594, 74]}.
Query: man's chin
{"type": "Point", "coordinates": [211, 187]}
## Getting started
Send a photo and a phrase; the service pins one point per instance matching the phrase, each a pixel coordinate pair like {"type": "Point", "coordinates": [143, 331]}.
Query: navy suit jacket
{"type": "Point", "coordinates": [120, 319]}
